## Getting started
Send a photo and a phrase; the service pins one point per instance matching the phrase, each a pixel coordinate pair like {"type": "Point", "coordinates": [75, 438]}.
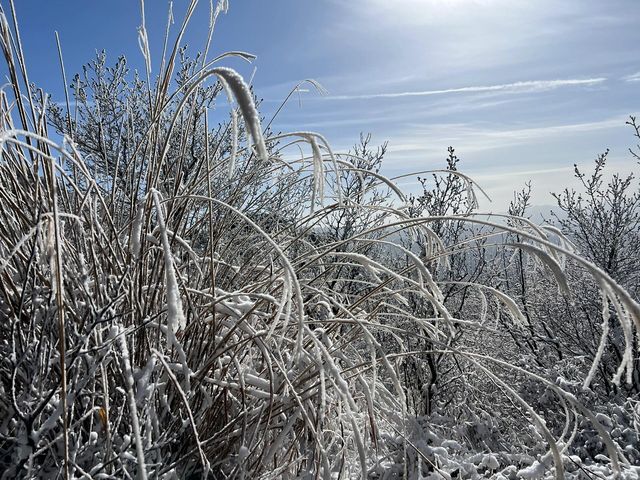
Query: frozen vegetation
{"type": "Point", "coordinates": [185, 294]}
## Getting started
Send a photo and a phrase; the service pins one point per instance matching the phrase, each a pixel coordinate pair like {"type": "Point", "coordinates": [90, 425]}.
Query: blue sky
{"type": "Point", "coordinates": [522, 89]}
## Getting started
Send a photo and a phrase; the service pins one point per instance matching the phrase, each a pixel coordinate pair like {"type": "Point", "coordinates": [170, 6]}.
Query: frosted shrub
{"type": "Point", "coordinates": [174, 303]}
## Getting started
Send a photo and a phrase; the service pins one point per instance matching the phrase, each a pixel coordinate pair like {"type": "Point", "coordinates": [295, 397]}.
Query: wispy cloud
{"type": "Point", "coordinates": [535, 133]}
{"type": "Point", "coordinates": [634, 77]}
{"type": "Point", "coordinates": [431, 140]}
{"type": "Point", "coordinates": [516, 87]}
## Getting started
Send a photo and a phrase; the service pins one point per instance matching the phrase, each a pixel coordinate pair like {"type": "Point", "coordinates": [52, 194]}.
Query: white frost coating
{"type": "Point", "coordinates": [452, 445]}
{"type": "Point", "coordinates": [234, 142]}
{"type": "Point", "coordinates": [533, 472]}
{"type": "Point", "coordinates": [490, 461]}
{"type": "Point", "coordinates": [318, 164]}
{"type": "Point", "coordinates": [23, 240]}
{"type": "Point", "coordinates": [144, 386]}
{"type": "Point", "coordinates": [508, 302]}
{"type": "Point", "coordinates": [143, 43]}
{"type": "Point", "coordinates": [626, 322]}
{"type": "Point", "coordinates": [603, 338]}
{"type": "Point", "coordinates": [136, 230]}
{"type": "Point", "coordinates": [257, 381]}
{"type": "Point", "coordinates": [175, 315]}
{"type": "Point", "coordinates": [221, 7]}
{"type": "Point", "coordinates": [151, 239]}
{"type": "Point", "coordinates": [133, 410]}
{"type": "Point", "coordinates": [549, 261]}
{"type": "Point", "coordinates": [243, 453]}
{"type": "Point", "coordinates": [237, 304]}
{"type": "Point", "coordinates": [143, 40]}
{"type": "Point", "coordinates": [604, 420]}
{"type": "Point", "coordinates": [243, 96]}
{"type": "Point", "coordinates": [234, 128]}
{"type": "Point", "coordinates": [318, 171]}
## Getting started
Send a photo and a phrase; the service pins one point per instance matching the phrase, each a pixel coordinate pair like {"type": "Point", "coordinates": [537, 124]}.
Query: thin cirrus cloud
{"type": "Point", "coordinates": [530, 86]}
{"type": "Point", "coordinates": [472, 139]}
{"type": "Point", "coordinates": [634, 77]}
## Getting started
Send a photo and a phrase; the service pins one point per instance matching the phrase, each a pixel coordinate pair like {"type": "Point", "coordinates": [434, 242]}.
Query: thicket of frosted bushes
{"type": "Point", "coordinates": [185, 294]}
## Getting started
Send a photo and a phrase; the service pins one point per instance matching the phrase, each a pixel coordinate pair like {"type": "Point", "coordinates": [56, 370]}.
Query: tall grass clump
{"type": "Point", "coordinates": [181, 298]}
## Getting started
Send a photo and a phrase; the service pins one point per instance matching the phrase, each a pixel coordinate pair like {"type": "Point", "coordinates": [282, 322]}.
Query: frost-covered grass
{"type": "Point", "coordinates": [174, 303]}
